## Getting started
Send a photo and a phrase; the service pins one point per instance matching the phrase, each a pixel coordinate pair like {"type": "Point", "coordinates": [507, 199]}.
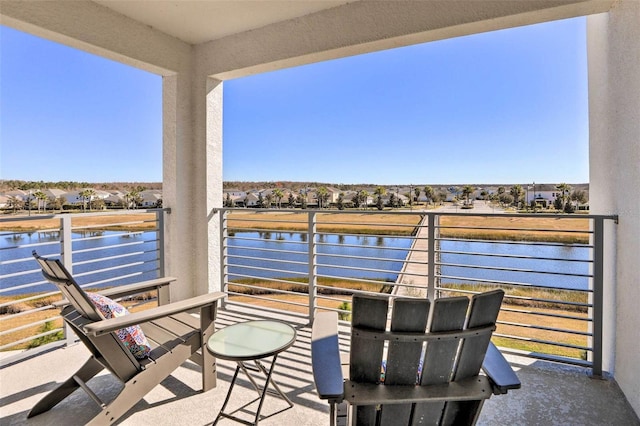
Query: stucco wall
{"type": "Point", "coordinates": [614, 103]}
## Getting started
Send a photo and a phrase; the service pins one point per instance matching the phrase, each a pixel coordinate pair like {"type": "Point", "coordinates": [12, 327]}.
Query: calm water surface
{"type": "Point", "coordinates": [138, 252]}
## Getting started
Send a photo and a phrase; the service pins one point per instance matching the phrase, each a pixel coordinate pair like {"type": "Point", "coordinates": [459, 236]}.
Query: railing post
{"type": "Point", "coordinates": [313, 268]}
{"type": "Point", "coordinates": [224, 254]}
{"type": "Point", "coordinates": [164, 293]}
{"type": "Point", "coordinates": [65, 242]}
{"type": "Point", "coordinates": [160, 235]}
{"type": "Point", "coordinates": [598, 294]}
{"type": "Point", "coordinates": [67, 261]}
{"type": "Point", "coordinates": [431, 257]}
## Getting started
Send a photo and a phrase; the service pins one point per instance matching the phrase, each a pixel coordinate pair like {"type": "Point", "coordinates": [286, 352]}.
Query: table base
{"type": "Point", "coordinates": [262, 391]}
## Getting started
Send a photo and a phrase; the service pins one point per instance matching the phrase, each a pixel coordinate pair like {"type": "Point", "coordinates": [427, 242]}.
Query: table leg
{"type": "Point", "coordinates": [262, 392]}
{"type": "Point", "coordinates": [226, 399]}
{"type": "Point", "coordinates": [270, 380]}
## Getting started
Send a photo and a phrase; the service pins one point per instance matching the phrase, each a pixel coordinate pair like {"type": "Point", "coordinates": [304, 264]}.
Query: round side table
{"type": "Point", "coordinates": [252, 341]}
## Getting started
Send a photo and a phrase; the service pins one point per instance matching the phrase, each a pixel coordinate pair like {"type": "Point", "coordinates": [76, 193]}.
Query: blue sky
{"type": "Point", "coordinates": [501, 107]}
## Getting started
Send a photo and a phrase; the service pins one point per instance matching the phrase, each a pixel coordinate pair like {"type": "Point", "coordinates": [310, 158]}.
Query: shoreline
{"type": "Point", "coordinates": [539, 229]}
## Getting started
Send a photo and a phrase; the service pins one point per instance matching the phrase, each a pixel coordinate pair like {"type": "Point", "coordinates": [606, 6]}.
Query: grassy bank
{"type": "Point", "coordinates": [548, 310]}
{"type": "Point", "coordinates": [129, 222]}
{"type": "Point", "coordinates": [548, 315]}
{"type": "Point", "coordinates": [378, 224]}
{"type": "Point", "coordinates": [549, 229]}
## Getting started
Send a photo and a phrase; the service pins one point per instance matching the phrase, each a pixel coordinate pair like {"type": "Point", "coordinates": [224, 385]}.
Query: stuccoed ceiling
{"type": "Point", "coordinates": [197, 22]}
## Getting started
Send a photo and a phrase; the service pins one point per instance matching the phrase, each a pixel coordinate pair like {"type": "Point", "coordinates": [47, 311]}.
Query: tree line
{"type": "Point", "coordinates": [24, 185]}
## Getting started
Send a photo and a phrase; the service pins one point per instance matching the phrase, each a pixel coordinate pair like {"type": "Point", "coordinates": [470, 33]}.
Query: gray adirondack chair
{"type": "Point", "coordinates": [394, 378]}
{"type": "Point", "coordinates": [174, 334]}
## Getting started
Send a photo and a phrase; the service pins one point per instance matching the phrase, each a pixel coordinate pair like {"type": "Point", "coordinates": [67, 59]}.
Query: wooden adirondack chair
{"type": "Point", "coordinates": [174, 334]}
{"type": "Point", "coordinates": [394, 379]}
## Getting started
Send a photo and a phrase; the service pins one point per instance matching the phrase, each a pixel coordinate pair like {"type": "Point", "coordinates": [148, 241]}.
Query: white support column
{"type": "Point", "coordinates": [614, 158]}
{"type": "Point", "coordinates": [183, 188]}
{"type": "Point", "coordinates": [214, 180]}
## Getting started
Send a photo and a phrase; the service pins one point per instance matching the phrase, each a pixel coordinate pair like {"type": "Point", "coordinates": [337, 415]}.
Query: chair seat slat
{"type": "Point", "coordinates": [467, 389]}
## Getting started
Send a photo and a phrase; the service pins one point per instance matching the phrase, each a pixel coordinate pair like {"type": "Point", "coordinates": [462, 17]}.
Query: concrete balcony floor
{"type": "Point", "coordinates": [550, 395]}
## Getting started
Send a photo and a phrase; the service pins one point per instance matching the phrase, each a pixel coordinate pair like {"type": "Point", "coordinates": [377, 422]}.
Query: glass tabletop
{"type": "Point", "coordinates": [251, 340]}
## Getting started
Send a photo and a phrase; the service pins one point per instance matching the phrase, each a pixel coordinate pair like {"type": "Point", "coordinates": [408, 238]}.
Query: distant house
{"type": "Point", "coordinates": [545, 194]}
{"type": "Point", "coordinates": [115, 199]}
{"type": "Point", "coordinates": [234, 193]}
{"type": "Point", "coordinates": [74, 197]}
{"type": "Point", "coordinates": [18, 194]}
{"type": "Point", "coordinates": [251, 200]}
{"type": "Point", "coordinates": [334, 193]}
{"type": "Point", "coordinates": [150, 198]}
{"type": "Point", "coordinates": [54, 193]}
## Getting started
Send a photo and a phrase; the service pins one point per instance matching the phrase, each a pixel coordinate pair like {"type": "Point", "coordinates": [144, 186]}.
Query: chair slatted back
{"type": "Point", "coordinates": [55, 272]}
{"type": "Point", "coordinates": [107, 348]}
{"type": "Point", "coordinates": [440, 361]}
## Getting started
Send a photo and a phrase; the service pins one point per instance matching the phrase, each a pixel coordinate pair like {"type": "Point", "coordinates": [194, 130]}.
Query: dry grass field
{"type": "Point", "coordinates": [552, 229]}
{"type": "Point", "coordinates": [513, 228]}
{"type": "Point", "coordinates": [385, 224]}
{"type": "Point", "coordinates": [133, 221]}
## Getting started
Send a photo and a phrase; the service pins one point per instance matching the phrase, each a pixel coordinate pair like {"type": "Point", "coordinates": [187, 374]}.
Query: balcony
{"type": "Point", "coordinates": [264, 277]}
{"type": "Point", "coordinates": [194, 71]}
{"type": "Point", "coordinates": [551, 393]}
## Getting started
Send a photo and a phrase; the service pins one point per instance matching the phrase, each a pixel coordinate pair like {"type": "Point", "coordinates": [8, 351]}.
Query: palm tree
{"type": "Point", "coordinates": [14, 202]}
{"type": "Point", "coordinates": [42, 199]}
{"type": "Point", "coordinates": [428, 192]}
{"type": "Point", "coordinates": [564, 192]}
{"type": "Point", "coordinates": [340, 201]}
{"type": "Point", "coordinates": [364, 198]}
{"type": "Point", "coordinates": [516, 192]}
{"type": "Point", "coordinates": [467, 191]}
{"type": "Point", "coordinates": [87, 194]}
{"type": "Point", "coordinates": [268, 199]}
{"type": "Point", "coordinates": [380, 192]}
{"type": "Point", "coordinates": [417, 193]}
{"type": "Point", "coordinates": [302, 199]}
{"type": "Point", "coordinates": [323, 195]}
{"type": "Point", "coordinates": [134, 197]}
{"type": "Point", "coordinates": [278, 194]}
{"type": "Point", "coordinates": [393, 202]}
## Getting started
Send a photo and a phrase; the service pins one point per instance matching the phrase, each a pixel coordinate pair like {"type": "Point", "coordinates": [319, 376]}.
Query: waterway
{"type": "Point", "coordinates": [529, 264]}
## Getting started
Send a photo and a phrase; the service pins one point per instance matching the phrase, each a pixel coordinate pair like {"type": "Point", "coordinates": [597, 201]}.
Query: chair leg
{"type": "Point", "coordinates": [207, 327]}
{"type": "Point", "coordinates": [86, 372]}
{"type": "Point", "coordinates": [140, 385]}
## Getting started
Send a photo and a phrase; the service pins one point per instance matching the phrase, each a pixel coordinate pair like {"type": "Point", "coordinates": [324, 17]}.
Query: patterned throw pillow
{"type": "Point", "coordinates": [132, 337]}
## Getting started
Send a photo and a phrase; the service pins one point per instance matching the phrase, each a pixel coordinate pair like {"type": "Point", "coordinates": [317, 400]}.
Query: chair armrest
{"type": "Point", "coordinates": [126, 290]}
{"type": "Point", "coordinates": [502, 376]}
{"type": "Point", "coordinates": [136, 288]}
{"type": "Point", "coordinates": [325, 356]}
{"type": "Point", "coordinates": [112, 324]}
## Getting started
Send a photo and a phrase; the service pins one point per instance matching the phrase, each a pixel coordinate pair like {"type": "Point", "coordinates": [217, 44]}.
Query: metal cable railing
{"type": "Point", "coordinates": [546, 264]}
{"type": "Point", "coordinates": [101, 249]}
{"type": "Point", "coordinates": [550, 267]}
